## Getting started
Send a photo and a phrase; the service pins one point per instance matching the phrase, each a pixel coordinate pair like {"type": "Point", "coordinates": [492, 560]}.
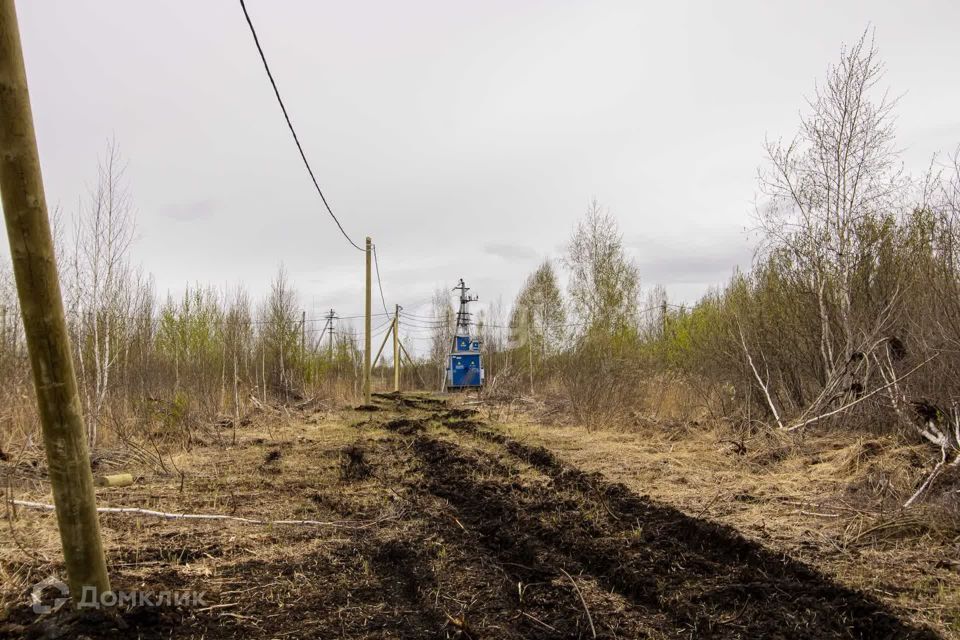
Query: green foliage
{"type": "Point", "coordinates": [538, 318]}
{"type": "Point", "coordinates": [191, 331]}
{"type": "Point", "coordinates": [604, 283]}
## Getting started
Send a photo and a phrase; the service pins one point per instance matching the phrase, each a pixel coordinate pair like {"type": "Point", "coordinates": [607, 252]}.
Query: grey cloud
{"type": "Point", "coordinates": [676, 261]}
{"type": "Point", "coordinates": [189, 211]}
{"type": "Point", "coordinates": [510, 251]}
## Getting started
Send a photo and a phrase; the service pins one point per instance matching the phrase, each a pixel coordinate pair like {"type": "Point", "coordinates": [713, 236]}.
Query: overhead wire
{"type": "Point", "coordinates": [438, 322]}
{"type": "Point", "coordinates": [376, 263]}
{"type": "Point", "coordinates": [435, 322]}
{"type": "Point", "coordinates": [303, 154]}
{"type": "Point", "coordinates": [293, 131]}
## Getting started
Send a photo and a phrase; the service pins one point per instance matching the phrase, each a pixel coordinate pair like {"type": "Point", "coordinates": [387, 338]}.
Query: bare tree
{"type": "Point", "coordinates": [829, 185]}
{"type": "Point", "coordinates": [280, 329]}
{"type": "Point", "coordinates": [100, 291]}
{"type": "Point", "coordinates": [441, 338]}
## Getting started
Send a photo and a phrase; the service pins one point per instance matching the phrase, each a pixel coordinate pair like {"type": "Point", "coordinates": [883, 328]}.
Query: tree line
{"type": "Point", "coordinates": [847, 318]}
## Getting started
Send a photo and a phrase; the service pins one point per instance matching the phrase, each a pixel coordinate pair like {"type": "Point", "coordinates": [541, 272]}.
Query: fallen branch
{"type": "Point", "coordinates": [344, 524]}
{"type": "Point", "coordinates": [930, 478]}
{"type": "Point", "coordinates": [858, 400]}
{"type": "Point", "coordinates": [756, 374]}
{"type": "Point", "coordinates": [262, 406]}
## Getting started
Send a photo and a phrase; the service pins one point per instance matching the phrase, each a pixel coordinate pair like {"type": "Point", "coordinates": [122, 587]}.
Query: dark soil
{"type": "Point", "coordinates": [353, 463]}
{"type": "Point", "coordinates": [484, 537]}
{"type": "Point", "coordinates": [406, 426]}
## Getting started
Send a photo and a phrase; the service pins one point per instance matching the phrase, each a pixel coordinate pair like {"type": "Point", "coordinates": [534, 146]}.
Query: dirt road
{"type": "Point", "coordinates": [450, 529]}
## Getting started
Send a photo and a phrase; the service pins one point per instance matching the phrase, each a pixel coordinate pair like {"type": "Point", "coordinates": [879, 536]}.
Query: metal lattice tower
{"type": "Point", "coordinates": [463, 316]}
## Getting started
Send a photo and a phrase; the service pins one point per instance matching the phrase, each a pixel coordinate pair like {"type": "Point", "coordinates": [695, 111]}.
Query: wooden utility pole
{"type": "Point", "coordinates": [366, 331]}
{"type": "Point", "coordinates": [663, 319]}
{"type": "Point", "coordinates": [396, 349]}
{"type": "Point", "coordinates": [330, 318]}
{"type": "Point", "coordinates": [41, 304]}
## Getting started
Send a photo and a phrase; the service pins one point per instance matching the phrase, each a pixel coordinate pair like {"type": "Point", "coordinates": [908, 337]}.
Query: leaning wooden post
{"type": "Point", "coordinates": [366, 331]}
{"type": "Point", "coordinates": [386, 337]}
{"type": "Point", "coordinates": [38, 287]}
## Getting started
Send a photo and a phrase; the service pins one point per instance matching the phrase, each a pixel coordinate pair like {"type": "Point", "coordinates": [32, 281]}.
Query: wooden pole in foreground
{"type": "Point", "coordinates": [366, 330]}
{"type": "Point", "coordinates": [38, 287]}
{"type": "Point", "coordinates": [396, 349]}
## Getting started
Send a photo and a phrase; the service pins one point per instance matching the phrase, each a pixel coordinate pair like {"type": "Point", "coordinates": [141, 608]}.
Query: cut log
{"type": "Point", "coordinates": [116, 480]}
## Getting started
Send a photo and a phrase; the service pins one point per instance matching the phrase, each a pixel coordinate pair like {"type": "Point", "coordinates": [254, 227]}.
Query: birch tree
{"type": "Point", "coordinates": [101, 277]}
{"type": "Point", "coordinates": [604, 281]}
{"type": "Point", "coordinates": [441, 338]}
{"type": "Point", "coordinates": [538, 319]}
{"type": "Point", "coordinates": [829, 185]}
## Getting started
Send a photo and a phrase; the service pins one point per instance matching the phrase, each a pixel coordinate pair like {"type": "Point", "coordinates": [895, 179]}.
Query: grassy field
{"type": "Point", "coordinates": [428, 519]}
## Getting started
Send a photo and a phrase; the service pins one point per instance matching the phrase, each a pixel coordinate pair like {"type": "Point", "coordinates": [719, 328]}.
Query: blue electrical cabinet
{"type": "Point", "coordinates": [465, 366]}
{"type": "Point", "coordinates": [465, 370]}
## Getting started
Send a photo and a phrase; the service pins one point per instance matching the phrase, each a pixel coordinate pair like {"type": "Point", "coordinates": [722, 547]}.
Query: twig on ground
{"type": "Point", "coordinates": [709, 504]}
{"type": "Point", "coordinates": [539, 621]}
{"type": "Point", "coordinates": [737, 615]}
{"type": "Point", "coordinates": [343, 524]}
{"type": "Point", "coordinates": [930, 478]}
{"type": "Point", "coordinates": [225, 605]}
{"type": "Point", "coordinates": [593, 629]}
{"type": "Point", "coordinates": [603, 502]}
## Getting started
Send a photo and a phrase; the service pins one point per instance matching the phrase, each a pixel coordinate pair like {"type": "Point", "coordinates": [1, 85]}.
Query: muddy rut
{"type": "Point", "coordinates": [642, 568]}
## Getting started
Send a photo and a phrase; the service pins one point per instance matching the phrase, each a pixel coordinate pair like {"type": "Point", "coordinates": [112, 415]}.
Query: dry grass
{"type": "Point", "coordinates": [824, 501]}
{"type": "Point", "coordinates": [829, 501]}
{"type": "Point", "coordinates": [267, 474]}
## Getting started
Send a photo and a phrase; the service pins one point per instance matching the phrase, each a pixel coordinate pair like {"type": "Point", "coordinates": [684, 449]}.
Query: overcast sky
{"type": "Point", "coordinates": [465, 138]}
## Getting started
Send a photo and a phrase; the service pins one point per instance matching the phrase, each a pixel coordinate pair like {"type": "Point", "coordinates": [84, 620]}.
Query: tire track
{"type": "Point", "coordinates": [702, 577]}
{"type": "Point", "coordinates": [529, 552]}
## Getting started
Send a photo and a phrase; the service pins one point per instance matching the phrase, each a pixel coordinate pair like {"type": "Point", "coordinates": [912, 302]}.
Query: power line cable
{"type": "Point", "coordinates": [376, 262]}
{"type": "Point", "coordinates": [422, 323]}
{"type": "Point", "coordinates": [360, 315]}
{"type": "Point", "coordinates": [293, 131]}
